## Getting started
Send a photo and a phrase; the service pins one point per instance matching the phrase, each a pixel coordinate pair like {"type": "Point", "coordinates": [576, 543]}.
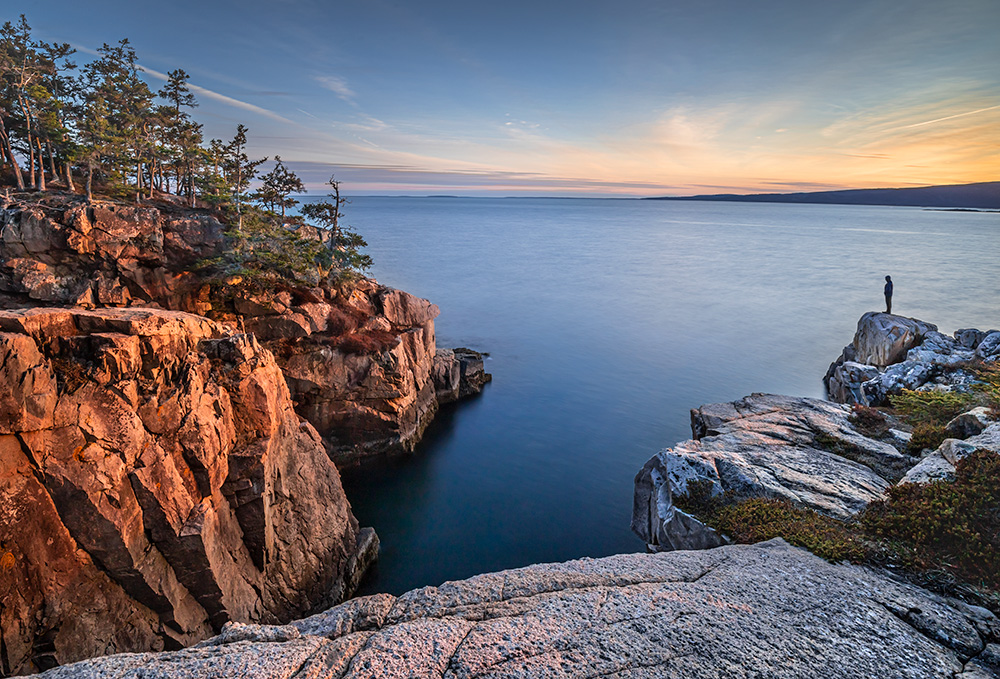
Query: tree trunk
{"type": "Point", "coordinates": [9, 152]}
{"type": "Point", "coordinates": [90, 179]}
{"type": "Point", "coordinates": [69, 177]}
{"type": "Point", "coordinates": [41, 166]}
{"type": "Point", "coordinates": [31, 148]}
{"type": "Point", "coordinates": [52, 162]}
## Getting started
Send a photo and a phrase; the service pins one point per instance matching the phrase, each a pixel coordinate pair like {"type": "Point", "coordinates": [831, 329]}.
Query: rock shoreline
{"type": "Point", "coordinates": [891, 353]}
{"type": "Point", "coordinates": [742, 610]}
{"type": "Point", "coordinates": [166, 478]}
{"type": "Point", "coordinates": [168, 453]}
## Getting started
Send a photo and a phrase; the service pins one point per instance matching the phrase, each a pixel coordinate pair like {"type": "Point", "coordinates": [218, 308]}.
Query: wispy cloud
{"type": "Point", "coordinates": [338, 86]}
{"type": "Point", "coordinates": [231, 101]}
{"type": "Point", "coordinates": [940, 120]}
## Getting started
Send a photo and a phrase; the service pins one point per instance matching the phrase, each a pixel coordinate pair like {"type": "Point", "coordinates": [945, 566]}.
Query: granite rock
{"type": "Point", "coordinates": [156, 483]}
{"type": "Point", "coordinates": [802, 450]}
{"type": "Point", "coordinates": [762, 610]}
{"type": "Point", "coordinates": [358, 357]}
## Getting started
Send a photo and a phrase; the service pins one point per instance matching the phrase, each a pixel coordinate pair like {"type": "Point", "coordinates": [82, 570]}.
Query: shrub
{"type": "Point", "coordinates": [931, 407]}
{"type": "Point", "coordinates": [264, 254]}
{"type": "Point", "coordinates": [946, 534]}
{"type": "Point", "coordinates": [699, 499]}
{"type": "Point", "coordinates": [925, 435]}
{"type": "Point", "coordinates": [928, 412]}
{"type": "Point", "coordinates": [869, 421]}
{"type": "Point", "coordinates": [949, 525]}
{"type": "Point", "coordinates": [760, 519]}
{"type": "Point", "coordinates": [338, 322]}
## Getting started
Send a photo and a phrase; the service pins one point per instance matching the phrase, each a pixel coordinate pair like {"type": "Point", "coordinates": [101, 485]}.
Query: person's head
{"type": "Point", "coordinates": [888, 278]}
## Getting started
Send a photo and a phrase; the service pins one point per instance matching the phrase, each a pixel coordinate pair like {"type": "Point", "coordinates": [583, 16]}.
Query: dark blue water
{"type": "Point", "coordinates": [606, 321]}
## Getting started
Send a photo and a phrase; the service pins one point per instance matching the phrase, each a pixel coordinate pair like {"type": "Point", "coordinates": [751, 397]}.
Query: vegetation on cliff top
{"type": "Point", "coordinates": [102, 123]}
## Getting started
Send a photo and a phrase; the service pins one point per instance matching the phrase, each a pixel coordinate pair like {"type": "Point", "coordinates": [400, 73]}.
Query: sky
{"type": "Point", "coordinates": [581, 98]}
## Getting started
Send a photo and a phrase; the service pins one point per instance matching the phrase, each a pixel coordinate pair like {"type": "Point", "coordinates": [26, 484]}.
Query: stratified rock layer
{"type": "Point", "coordinates": [802, 450]}
{"type": "Point", "coordinates": [767, 610]}
{"type": "Point", "coordinates": [155, 483]}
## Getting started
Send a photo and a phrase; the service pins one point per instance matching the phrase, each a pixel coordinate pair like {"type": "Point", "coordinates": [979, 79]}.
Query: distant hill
{"type": "Point", "coordinates": [983, 195]}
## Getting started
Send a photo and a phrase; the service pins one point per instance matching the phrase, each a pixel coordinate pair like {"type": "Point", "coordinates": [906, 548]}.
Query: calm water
{"type": "Point", "coordinates": [606, 322]}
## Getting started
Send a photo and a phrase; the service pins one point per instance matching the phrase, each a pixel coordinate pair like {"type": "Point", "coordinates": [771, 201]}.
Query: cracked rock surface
{"type": "Point", "coordinates": [765, 610]}
{"type": "Point", "coordinates": [155, 483]}
{"type": "Point", "coordinates": [798, 449]}
{"type": "Point", "coordinates": [360, 361]}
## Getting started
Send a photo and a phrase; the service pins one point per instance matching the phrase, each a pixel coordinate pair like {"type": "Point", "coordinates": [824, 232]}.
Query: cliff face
{"type": "Point", "coordinates": [361, 361]}
{"type": "Point", "coordinates": [155, 483]}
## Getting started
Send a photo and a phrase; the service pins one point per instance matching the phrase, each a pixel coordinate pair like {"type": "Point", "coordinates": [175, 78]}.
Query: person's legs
{"type": "Point", "coordinates": [888, 304]}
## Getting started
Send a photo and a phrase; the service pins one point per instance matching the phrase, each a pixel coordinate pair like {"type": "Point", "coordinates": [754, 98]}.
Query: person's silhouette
{"type": "Point", "coordinates": [888, 295]}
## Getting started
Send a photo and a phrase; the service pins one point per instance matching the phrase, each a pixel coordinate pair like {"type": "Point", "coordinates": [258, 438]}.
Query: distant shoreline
{"type": "Point", "coordinates": [978, 196]}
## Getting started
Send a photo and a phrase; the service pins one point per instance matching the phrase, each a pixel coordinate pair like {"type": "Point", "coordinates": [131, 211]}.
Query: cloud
{"type": "Point", "coordinates": [939, 120]}
{"type": "Point", "coordinates": [209, 94]}
{"type": "Point", "coordinates": [338, 86]}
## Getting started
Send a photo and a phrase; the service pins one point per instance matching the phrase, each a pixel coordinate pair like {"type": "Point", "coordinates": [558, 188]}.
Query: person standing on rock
{"type": "Point", "coordinates": [888, 295]}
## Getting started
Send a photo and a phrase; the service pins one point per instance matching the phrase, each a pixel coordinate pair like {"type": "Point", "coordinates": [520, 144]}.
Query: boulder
{"type": "Point", "coordinates": [940, 465]}
{"type": "Point", "coordinates": [892, 353]}
{"type": "Point", "coordinates": [802, 450]}
{"type": "Point", "coordinates": [970, 423]}
{"type": "Point", "coordinates": [846, 380]}
{"type": "Point", "coordinates": [156, 484]}
{"type": "Point", "coordinates": [989, 348]}
{"type": "Point", "coordinates": [743, 610]}
{"type": "Point", "coordinates": [458, 373]}
{"type": "Point", "coordinates": [883, 339]}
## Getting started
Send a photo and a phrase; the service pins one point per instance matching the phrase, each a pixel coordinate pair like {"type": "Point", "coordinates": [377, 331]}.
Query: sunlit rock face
{"type": "Point", "coordinates": [359, 358]}
{"type": "Point", "coordinates": [802, 450]}
{"type": "Point", "coordinates": [743, 610]}
{"type": "Point", "coordinates": [156, 483]}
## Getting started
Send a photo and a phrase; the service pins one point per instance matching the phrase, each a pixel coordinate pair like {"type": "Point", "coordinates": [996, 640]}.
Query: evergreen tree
{"type": "Point", "coordinates": [114, 81]}
{"type": "Point", "coordinates": [238, 170]}
{"type": "Point", "coordinates": [343, 243]}
{"type": "Point", "coordinates": [276, 187]}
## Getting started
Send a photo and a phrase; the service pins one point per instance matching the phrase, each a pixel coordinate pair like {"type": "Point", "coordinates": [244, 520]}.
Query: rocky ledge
{"type": "Point", "coordinates": [155, 484]}
{"type": "Point", "coordinates": [361, 359]}
{"type": "Point", "coordinates": [811, 452]}
{"type": "Point", "coordinates": [763, 610]}
{"type": "Point", "coordinates": [798, 449]}
{"type": "Point", "coordinates": [891, 353]}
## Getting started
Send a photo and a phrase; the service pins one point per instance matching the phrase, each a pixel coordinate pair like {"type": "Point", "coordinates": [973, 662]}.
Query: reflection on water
{"type": "Point", "coordinates": [606, 322]}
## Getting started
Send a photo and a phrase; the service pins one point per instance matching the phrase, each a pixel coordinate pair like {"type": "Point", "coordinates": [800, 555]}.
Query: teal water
{"type": "Point", "coordinates": [606, 321]}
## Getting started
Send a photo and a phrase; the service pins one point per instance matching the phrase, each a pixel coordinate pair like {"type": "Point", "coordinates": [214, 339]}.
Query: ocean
{"type": "Point", "coordinates": [606, 321]}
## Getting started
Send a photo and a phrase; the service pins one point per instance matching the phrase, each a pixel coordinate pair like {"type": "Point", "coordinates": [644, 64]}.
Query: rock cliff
{"type": "Point", "coordinates": [798, 449]}
{"type": "Point", "coordinates": [155, 483]}
{"type": "Point", "coordinates": [766, 610]}
{"type": "Point", "coordinates": [361, 359]}
{"type": "Point", "coordinates": [890, 353]}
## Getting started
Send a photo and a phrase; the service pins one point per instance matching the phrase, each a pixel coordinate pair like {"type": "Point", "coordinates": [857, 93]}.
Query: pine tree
{"type": "Point", "coordinates": [276, 187]}
{"type": "Point", "coordinates": [343, 243]}
{"type": "Point", "coordinates": [114, 81]}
